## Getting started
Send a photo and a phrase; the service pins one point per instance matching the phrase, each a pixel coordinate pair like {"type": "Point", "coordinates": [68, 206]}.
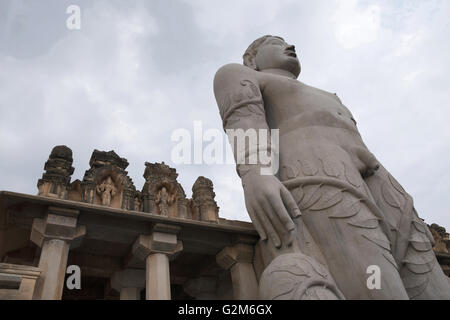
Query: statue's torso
{"type": "Point", "coordinates": [288, 100]}
{"type": "Point", "coordinates": [309, 118]}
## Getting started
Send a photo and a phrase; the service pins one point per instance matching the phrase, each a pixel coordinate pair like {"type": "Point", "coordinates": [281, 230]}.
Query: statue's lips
{"type": "Point", "coordinates": [291, 53]}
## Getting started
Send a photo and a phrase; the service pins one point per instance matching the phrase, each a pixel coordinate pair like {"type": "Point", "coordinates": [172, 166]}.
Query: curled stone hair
{"type": "Point", "coordinates": [252, 50]}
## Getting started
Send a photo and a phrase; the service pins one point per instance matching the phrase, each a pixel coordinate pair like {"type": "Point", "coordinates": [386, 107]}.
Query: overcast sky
{"type": "Point", "coordinates": [138, 70]}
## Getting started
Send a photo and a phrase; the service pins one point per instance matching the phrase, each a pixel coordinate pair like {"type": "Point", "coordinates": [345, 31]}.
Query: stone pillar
{"type": "Point", "coordinates": [129, 282]}
{"type": "Point", "coordinates": [53, 262]}
{"type": "Point", "coordinates": [158, 277]}
{"type": "Point", "coordinates": [239, 260]}
{"type": "Point", "coordinates": [157, 249]}
{"type": "Point", "coordinates": [55, 234]}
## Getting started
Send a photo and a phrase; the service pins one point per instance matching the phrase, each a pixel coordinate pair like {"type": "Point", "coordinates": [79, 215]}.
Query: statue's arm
{"type": "Point", "coordinates": [241, 105]}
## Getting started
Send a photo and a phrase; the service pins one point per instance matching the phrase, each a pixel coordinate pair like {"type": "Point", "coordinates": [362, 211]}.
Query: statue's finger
{"type": "Point", "coordinates": [281, 212]}
{"type": "Point", "coordinates": [290, 203]}
{"type": "Point", "coordinates": [267, 223]}
{"type": "Point", "coordinates": [290, 237]}
{"type": "Point", "coordinates": [273, 208]}
{"type": "Point", "coordinates": [256, 223]}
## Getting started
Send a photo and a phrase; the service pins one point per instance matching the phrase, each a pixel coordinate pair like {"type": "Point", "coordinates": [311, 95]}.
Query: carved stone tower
{"type": "Point", "coordinates": [58, 169]}
{"type": "Point", "coordinates": [162, 194]}
{"type": "Point", "coordinates": [107, 183]}
{"type": "Point", "coordinates": [204, 207]}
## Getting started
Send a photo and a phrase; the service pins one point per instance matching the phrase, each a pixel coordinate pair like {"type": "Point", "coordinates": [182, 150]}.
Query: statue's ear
{"type": "Point", "coordinates": [249, 61]}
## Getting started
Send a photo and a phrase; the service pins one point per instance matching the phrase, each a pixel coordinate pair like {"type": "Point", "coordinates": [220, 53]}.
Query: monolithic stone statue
{"type": "Point", "coordinates": [331, 207]}
{"type": "Point", "coordinates": [163, 200]}
{"type": "Point", "coordinates": [107, 191]}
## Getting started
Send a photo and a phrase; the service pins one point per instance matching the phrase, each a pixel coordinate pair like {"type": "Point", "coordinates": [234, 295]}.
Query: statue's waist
{"type": "Point", "coordinates": [301, 139]}
{"type": "Point", "coordinates": [335, 155]}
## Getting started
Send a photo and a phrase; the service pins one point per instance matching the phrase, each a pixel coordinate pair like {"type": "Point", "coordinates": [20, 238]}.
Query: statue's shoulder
{"type": "Point", "coordinates": [233, 71]}
{"type": "Point", "coordinates": [230, 76]}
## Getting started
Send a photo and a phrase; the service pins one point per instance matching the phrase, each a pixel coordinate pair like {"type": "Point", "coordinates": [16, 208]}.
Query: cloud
{"type": "Point", "coordinates": [354, 25]}
{"type": "Point", "coordinates": [137, 71]}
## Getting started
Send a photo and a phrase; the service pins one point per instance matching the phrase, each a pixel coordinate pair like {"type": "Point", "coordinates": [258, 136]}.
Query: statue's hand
{"type": "Point", "coordinates": [271, 207]}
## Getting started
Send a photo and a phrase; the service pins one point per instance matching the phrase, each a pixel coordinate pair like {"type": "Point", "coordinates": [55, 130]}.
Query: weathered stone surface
{"type": "Point", "coordinates": [157, 248]}
{"type": "Point", "coordinates": [204, 207]}
{"type": "Point", "coordinates": [158, 242]}
{"type": "Point", "coordinates": [55, 234]}
{"type": "Point", "coordinates": [441, 238]}
{"type": "Point", "coordinates": [17, 282]}
{"type": "Point", "coordinates": [107, 158]}
{"type": "Point", "coordinates": [59, 223]}
{"type": "Point", "coordinates": [239, 259]}
{"type": "Point", "coordinates": [53, 263]}
{"type": "Point", "coordinates": [58, 170]}
{"type": "Point", "coordinates": [137, 203]}
{"type": "Point", "coordinates": [297, 277]}
{"type": "Point", "coordinates": [231, 255]}
{"type": "Point", "coordinates": [129, 283]}
{"type": "Point", "coordinates": [110, 234]}
{"type": "Point", "coordinates": [322, 180]}
{"type": "Point", "coordinates": [107, 183]}
{"type": "Point", "coordinates": [8, 281]}
{"type": "Point", "coordinates": [158, 277]}
{"type": "Point", "coordinates": [161, 193]}
{"type": "Point", "coordinates": [441, 247]}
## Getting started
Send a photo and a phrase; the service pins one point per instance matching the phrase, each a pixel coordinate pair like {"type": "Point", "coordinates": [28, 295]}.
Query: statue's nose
{"type": "Point", "coordinates": [291, 47]}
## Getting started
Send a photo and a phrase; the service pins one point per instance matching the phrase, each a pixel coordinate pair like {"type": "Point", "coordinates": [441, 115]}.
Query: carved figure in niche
{"type": "Point", "coordinates": [137, 204]}
{"type": "Point", "coordinates": [107, 190]}
{"type": "Point", "coordinates": [164, 199]}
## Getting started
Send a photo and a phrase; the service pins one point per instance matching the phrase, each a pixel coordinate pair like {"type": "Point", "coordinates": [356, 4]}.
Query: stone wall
{"type": "Point", "coordinates": [17, 282]}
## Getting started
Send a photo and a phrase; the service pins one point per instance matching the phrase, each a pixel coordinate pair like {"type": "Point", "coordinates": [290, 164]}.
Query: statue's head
{"type": "Point", "coordinates": [272, 52]}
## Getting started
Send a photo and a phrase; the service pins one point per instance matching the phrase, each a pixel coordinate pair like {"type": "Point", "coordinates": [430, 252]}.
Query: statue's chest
{"type": "Point", "coordinates": [291, 97]}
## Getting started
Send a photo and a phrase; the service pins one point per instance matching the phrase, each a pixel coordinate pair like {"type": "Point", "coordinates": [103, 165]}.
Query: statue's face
{"type": "Point", "coordinates": [274, 53]}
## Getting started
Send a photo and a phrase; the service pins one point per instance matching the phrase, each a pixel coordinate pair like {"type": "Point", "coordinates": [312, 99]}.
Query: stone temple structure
{"type": "Point", "coordinates": [153, 243]}
{"type": "Point", "coordinates": [129, 244]}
